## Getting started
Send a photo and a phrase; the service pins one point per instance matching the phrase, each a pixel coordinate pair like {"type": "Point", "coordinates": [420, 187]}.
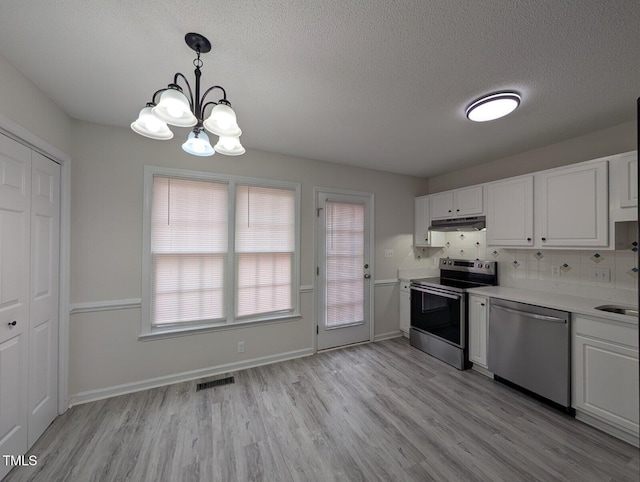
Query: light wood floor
{"type": "Point", "coordinates": [382, 411]}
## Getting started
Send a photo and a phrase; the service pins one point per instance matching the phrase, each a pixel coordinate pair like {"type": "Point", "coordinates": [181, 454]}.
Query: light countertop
{"type": "Point", "coordinates": [573, 304]}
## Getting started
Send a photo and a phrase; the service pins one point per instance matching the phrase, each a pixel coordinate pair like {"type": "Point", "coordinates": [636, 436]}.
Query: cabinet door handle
{"type": "Point", "coordinates": [449, 210]}
{"type": "Point", "coordinates": [528, 239]}
{"type": "Point", "coordinates": [544, 239]}
{"type": "Point", "coordinates": [457, 210]}
{"type": "Point", "coordinates": [12, 323]}
{"type": "Point", "coordinates": [481, 304]}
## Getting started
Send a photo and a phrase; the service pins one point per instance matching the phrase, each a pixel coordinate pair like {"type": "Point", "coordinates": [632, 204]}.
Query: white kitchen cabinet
{"type": "Point", "coordinates": [605, 375]}
{"type": "Point", "coordinates": [627, 179]}
{"type": "Point", "coordinates": [460, 202]}
{"type": "Point", "coordinates": [405, 307]}
{"type": "Point", "coordinates": [478, 329]}
{"type": "Point", "coordinates": [572, 206]}
{"type": "Point", "coordinates": [623, 190]}
{"type": "Point", "coordinates": [510, 212]}
{"type": "Point", "coordinates": [422, 237]}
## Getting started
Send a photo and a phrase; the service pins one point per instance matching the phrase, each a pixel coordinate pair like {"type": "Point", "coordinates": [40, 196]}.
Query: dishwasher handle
{"type": "Point", "coordinates": [552, 319]}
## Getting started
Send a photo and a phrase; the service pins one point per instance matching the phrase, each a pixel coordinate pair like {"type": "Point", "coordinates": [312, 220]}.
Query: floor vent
{"type": "Point", "coordinates": [214, 383]}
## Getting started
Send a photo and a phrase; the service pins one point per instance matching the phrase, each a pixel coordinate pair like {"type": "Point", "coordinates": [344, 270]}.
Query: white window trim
{"type": "Point", "coordinates": [146, 329]}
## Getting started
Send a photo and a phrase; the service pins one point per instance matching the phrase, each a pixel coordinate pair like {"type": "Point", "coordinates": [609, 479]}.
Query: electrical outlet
{"type": "Point", "coordinates": [600, 275]}
{"type": "Point", "coordinates": [555, 271]}
{"type": "Point", "coordinates": [388, 253]}
{"type": "Point", "coordinates": [241, 347]}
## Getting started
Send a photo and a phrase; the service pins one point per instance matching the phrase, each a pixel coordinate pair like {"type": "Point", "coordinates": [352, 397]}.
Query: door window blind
{"type": "Point", "coordinates": [189, 226]}
{"type": "Point", "coordinates": [345, 260]}
{"type": "Point", "coordinates": [265, 248]}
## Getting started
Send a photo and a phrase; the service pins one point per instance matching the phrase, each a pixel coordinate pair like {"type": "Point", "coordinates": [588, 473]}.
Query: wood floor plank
{"type": "Point", "coordinates": [379, 411]}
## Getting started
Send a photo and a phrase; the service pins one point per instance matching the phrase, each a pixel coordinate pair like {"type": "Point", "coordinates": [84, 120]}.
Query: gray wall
{"type": "Point", "coordinates": [621, 138]}
{"type": "Point", "coordinates": [24, 104]}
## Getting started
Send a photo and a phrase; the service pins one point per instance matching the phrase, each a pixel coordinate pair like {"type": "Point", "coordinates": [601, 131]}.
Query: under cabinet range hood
{"type": "Point", "coordinates": [473, 223]}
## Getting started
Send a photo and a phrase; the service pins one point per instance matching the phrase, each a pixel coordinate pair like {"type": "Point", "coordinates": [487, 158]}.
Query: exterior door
{"type": "Point", "coordinates": [344, 270]}
{"type": "Point", "coordinates": [15, 201]}
{"type": "Point", "coordinates": [43, 335]}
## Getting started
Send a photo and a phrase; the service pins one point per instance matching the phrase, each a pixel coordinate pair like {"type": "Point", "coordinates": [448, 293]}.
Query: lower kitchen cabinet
{"type": "Point", "coordinates": [405, 306]}
{"type": "Point", "coordinates": [605, 375]}
{"type": "Point", "coordinates": [478, 329]}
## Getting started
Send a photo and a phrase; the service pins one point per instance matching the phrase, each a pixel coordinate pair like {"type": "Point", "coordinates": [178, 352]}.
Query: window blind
{"type": "Point", "coordinates": [265, 247]}
{"type": "Point", "coordinates": [189, 243]}
{"type": "Point", "coordinates": [344, 263]}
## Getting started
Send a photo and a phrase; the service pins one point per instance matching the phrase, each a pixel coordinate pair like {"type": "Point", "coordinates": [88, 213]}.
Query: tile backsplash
{"type": "Point", "coordinates": [594, 268]}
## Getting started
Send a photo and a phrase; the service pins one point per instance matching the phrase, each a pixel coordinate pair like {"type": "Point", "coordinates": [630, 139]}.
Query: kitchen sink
{"type": "Point", "coordinates": [622, 310]}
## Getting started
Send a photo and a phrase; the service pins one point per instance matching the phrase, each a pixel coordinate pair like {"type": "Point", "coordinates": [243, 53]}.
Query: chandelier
{"type": "Point", "coordinates": [176, 109]}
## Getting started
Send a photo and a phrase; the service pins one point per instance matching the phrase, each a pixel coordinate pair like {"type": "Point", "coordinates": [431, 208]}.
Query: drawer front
{"type": "Point", "coordinates": [602, 329]}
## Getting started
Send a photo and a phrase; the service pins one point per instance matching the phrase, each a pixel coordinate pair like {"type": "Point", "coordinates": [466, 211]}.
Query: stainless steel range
{"type": "Point", "coordinates": [439, 324]}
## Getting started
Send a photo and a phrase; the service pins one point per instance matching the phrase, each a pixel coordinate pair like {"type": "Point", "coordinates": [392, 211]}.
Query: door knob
{"type": "Point", "coordinates": [367, 276]}
{"type": "Point", "coordinates": [13, 323]}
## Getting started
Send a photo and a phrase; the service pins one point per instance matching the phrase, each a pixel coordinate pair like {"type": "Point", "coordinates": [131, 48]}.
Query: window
{"type": "Point", "coordinates": [218, 251]}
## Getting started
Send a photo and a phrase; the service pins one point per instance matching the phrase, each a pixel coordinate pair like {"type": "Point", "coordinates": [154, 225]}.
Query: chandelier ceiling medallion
{"type": "Point", "coordinates": [176, 109]}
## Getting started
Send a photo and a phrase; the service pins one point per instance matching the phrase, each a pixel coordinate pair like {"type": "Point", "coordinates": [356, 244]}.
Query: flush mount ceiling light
{"type": "Point", "coordinates": [175, 108]}
{"type": "Point", "coordinates": [493, 106]}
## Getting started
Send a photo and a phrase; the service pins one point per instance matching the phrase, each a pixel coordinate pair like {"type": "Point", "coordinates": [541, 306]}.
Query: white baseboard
{"type": "Point", "coordinates": [113, 391]}
{"type": "Point", "coordinates": [482, 370]}
{"type": "Point", "coordinates": [387, 336]}
{"type": "Point", "coordinates": [630, 438]}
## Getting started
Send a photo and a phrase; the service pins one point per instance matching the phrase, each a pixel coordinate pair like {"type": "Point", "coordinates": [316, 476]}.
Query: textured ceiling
{"type": "Point", "coordinates": [380, 84]}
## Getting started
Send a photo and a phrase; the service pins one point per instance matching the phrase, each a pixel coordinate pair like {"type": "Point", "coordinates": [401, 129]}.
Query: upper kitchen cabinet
{"type": "Point", "coordinates": [510, 212]}
{"type": "Point", "coordinates": [572, 206]}
{"type": "Point", "coordinates": [422, 236]}
{"type": "Point", "coordinates": [461, 202]}
{"type": "Point", "coordinates": [624, 186]}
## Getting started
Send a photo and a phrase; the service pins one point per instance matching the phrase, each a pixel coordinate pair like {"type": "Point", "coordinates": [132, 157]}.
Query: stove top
{"type": "Point", "coordinates": [460, 275]}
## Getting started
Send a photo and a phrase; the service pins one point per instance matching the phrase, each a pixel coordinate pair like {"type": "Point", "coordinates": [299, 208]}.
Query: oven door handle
{"type": "Point", "coordinates": [436, 292]}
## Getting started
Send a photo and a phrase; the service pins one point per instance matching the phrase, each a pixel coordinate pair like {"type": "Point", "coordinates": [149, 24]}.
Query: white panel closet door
{"type": "Point", "coordinates": [15, 200]}
{"type": "Point", "coordinates": [43, 335]}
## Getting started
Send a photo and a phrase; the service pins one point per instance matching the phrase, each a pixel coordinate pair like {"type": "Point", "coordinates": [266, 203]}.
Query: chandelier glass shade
{"type": "Point", "coordinates": [171, 106]}
{"type": "Point", "coordinates": [198, 144]}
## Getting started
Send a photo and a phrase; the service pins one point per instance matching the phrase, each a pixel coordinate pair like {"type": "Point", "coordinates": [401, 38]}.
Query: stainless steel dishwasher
{"type": "Point", "coordinates": [529, 346]}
